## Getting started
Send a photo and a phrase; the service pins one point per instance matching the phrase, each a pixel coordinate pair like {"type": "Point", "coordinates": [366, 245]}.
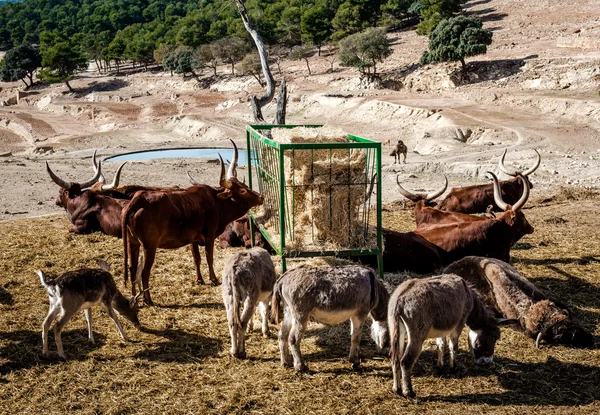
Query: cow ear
{"type": "Point", "coordinates": [507, 321]}
{"type": "Point", "coordinates": [226, 194]}
{"type": "Point", "coordinates": [512, 218]}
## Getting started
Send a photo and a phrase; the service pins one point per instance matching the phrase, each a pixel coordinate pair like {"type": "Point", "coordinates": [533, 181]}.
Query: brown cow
{"type": "Point", "coordinates": [406, 252]}
{"type": "Point", "coordinates": [489, 237]}
{"type": "Point", "coordinates": [425, 214]}
{"type": "Point", "coordinates": [237, 233]}
{"type": "Point", "coordinates": [513, 296]}
{"type": "Point", "coordinates": [477, 198]}
{"type": "Point", "coordinates": [170, 220]}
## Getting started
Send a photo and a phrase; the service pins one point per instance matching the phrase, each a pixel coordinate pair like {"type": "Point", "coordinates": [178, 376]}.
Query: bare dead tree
{"type": "Point", "coordinates": [258, 103]}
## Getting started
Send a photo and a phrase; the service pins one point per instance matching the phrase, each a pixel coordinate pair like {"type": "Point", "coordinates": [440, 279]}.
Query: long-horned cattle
{"type": "Point", "coordinates": [248, 279]}
{"type": "Point", "coordinates": [437, 307]}
{"type": "Point", "coordinates": [477, 198]}
{"type": "Point", "coordinates": [512, 296]}
{"type": "Point", "coordinates": [172, 219]}
{"type": "Point", "coordinates": [79, 290]}
{"type": "Point", "coordinates": [406, 251]}
{"type": "Point", "coordinates": [237, 233]}
{"type": "Point", "coordinates": [329, 295]}
{"type": "Point", "coordinates": [491, 237]}
{"type": "Point", "coordinates": [426, 214]}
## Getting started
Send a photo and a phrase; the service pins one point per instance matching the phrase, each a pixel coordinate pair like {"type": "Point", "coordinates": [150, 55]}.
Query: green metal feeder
{"type": "Point", "coordinates": [304, 208]}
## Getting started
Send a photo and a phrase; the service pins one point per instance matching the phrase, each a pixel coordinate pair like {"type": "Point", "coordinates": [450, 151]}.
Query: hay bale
{"type": "Point", "coordinates": [325, 191]}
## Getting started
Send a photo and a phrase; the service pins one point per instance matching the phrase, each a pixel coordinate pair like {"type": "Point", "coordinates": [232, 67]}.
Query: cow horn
{"type": "Point", "coordinates": [223, 182]}
{"type": "Point", "coordinates": [95, 164]}
{"type": "Point", "coordinates": [232, 171]}
{"type": "Point", "coordinates": [538, 339]}
{"type": "Point", "coordinates": [438, 193]}
{"type": "Point", "coordinates": [503, 168]}
{"type": "Point", "coordinates": [405, 192]}
{"type": "Point", "coordinates": [371, 186]}
{"type": "Point", "coordinates": [524, 196]}
{"type": "Point", "coordinates": [94, 179]}
{"type": "Point", "coordinates": [497, 196]}
{"type": "Point", "coordinates": [534, 168]}
{"type": "Point", "coordinates": [115, 182]}
{"type": "Point", "coordinates": [192, 180]}
{"type": "Point", "coordinates": [62, 183]}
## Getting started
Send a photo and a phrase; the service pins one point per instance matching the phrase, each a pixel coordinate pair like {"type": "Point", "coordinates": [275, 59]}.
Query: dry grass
{"type": "Point", "coordinates": [180, 363]}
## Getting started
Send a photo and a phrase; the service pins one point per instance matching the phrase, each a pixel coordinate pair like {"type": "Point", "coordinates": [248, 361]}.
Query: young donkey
{"type": "Point", "coordinates": [330, 295]}
{"type": "Point", "coordinates": [248, 278]}
{"type": "Point", "coordinates": [437, 307]}
{"type": "Point", "coordinates": [79, 290]}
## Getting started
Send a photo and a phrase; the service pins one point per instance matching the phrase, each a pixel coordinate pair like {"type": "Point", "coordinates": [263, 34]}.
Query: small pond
{"type": "Point", "coordinates": [206, 153]}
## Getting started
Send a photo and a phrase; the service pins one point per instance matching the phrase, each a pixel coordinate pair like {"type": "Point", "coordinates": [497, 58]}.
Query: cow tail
{"type": "Point", "coordinates": [276, 302]}
{"type": "Point", "coordinates": [236, 302]}
{"type": "Point", "coordinates": [124, 223]}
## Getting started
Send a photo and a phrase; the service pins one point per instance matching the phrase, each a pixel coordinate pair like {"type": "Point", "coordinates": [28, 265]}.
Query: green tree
{"type": "Point", "coordinates": [434, 11]}
{"type": "Point", "coordinates": [208, 59]}
{"type": "Point", "coordinates": [229, 50]}
{"type": "Point", "coordinates": [20, 63]}
{"type": "Point", "coordinates": [251, 65]}
{"type": "Point", "coordinates": [184, 61]}
{"type": "Point", "coordinates": [302, 52]}
{"type": "Point", "coordinates": [316, 26]}
{"type": "Point", "coordinates": [60, 59]}
{"type": "Point", "coordinates": [456, 38]}
{"type": "Point", "coordinates": [288, 27]}
{"type": "Point", "coordinates": [363, 50]}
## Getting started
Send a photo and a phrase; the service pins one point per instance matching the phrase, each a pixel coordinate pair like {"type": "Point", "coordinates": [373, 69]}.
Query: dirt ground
{"type": "Point", "coordinates": [537, 88]}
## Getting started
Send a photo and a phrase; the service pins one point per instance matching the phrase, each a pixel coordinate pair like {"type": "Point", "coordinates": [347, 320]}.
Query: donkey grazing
{"type": "Point", "coordinates": [330, 295]}
{"type": "Point", "coordinates": [248, 277]}
{"type": "Point", "coordinates": [79, 290]}
{"type": "Point", "coordinates": [437, 307]}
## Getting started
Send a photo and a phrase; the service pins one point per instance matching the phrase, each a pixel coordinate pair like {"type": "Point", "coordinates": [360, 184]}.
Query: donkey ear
{"type": "Point", "coordinates": [507, 321]}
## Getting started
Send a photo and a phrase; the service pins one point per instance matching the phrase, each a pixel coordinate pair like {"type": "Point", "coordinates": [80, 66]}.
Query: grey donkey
{"type": "Point", "coordinates": [248, 278]}
{"type": "Point", "coordinates": [437, 307]}
{"type": "Point", "coordinates": [79, 290]}
{"type": "Point", "coordinates": [330, 295]}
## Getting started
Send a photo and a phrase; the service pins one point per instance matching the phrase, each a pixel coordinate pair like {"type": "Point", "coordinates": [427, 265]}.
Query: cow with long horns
{"type": "Point", "coordinates": [170, 220]}
{"type": "Point", "coordinates": [489, 237]}
{"type": "Point", "coordinates": [477, 198]}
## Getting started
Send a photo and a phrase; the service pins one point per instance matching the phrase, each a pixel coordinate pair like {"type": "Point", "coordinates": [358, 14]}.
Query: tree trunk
{"type": "Point", "coordinates": [215, 70]}
{"type": "Point", "coordinates": [26, 86]}
{"type": "Point", "coordinates": [68, 86]}
{"type": "Point", "coordinates": [281, 104]}
{"type": "Point", "coordinates": [308, 66]}
{"type": "Point", "coordinates": [319, 50]}
{"type": "Point", "coordinates": [232, 68]}
{"type": "Point", "coordinates": [258, 103]}
{"type": "Point", "coordinates": [464, 67]}
{"type": "Point", "coordinates": [98, 66]}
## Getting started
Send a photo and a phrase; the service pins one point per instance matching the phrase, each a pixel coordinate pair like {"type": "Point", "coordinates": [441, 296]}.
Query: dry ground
{"type": "Point", "coordinates": [179, 363]}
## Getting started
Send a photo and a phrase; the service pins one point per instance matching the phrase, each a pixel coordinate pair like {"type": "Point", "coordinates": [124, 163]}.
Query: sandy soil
{"type": "Point", "coordinates": [537, 88]}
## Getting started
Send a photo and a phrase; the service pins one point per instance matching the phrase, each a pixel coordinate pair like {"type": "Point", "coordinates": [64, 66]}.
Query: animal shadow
{"type": "Point", "coordinates": [23, 348]}
{"type": "Point", "coordinates": [179, 346]}
{"type": "Point", "coordinates": [533, 384]}
{"type": "Point", "coordinates": [5, 296]}
{"type": "Point", "coordinates": [211, 306]}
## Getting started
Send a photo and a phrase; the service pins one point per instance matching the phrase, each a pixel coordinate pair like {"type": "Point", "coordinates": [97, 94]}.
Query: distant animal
{"type": "Point", "coordinates": [491, 237]}
{"type": "Point", "coordinates": [406, 252]}
{"type": "Point", "coordinates": [172, 219]}
{"type": "Point", "coordinates": [248, 278]}
{"type": "Point", "coordinates": [330, 295]}
{"type": "Point", "coordinates": [437, 307]}
{"type": "Point", "coordinates": [237, 233]}
{"type": "Point", "coordinates": [428, 215]}
{"type": "Point", "coordinates": [399, 148]}
{"type": "Point", "coordinates": [79, 290]}
{"type": "Point", "coordinates": [512, 296]}
{"type": "Point", "coordinates": [477, 198]}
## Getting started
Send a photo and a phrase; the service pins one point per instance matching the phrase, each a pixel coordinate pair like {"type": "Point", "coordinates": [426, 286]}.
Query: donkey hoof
{"type": "Point", "coordinates": [301, 368]}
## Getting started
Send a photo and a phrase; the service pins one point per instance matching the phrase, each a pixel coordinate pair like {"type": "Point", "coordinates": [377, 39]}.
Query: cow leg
{"type": "Point", "coordinates": [197, 260]}
{"type": "Point", "coordinates": [355, 333]}
{"type": "Point", "coordinates": [134, 259]}
{"type": "Point", "coordinates": [209, 249]}
{"type": "Point", "coordinates": [413, 350]}
{"type": "Point", "coordinates": [149, 255]}
{"type": "Point", "coordinates": [441, 349]}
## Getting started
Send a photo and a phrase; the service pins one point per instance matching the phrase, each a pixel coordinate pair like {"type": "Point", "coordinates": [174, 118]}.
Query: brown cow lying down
{"type": "Point", "coordinates": [514, 297]}
{"type": "Point", "coordinates": [237, 233]}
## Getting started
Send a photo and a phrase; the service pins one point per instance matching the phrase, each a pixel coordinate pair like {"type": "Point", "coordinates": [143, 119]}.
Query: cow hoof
{"type": "Point", "coordinates": [357, 367]}
{"type": "Point", "coordinates": [200, 282]}
{"type": "Point", "coordinates": [215, 282]}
